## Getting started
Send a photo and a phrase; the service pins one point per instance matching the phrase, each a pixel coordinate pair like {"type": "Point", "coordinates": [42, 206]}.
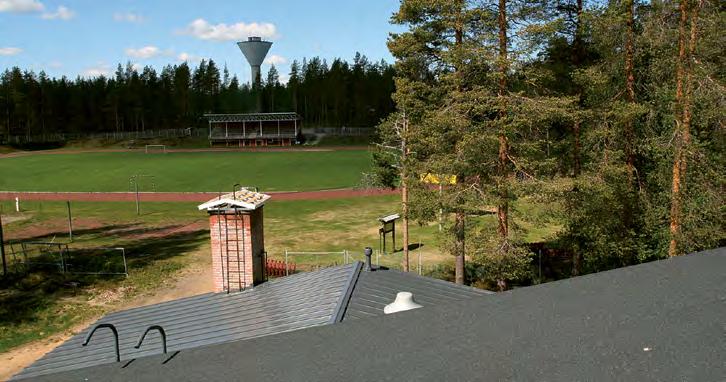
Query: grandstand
{"type": "Point", "coordinates": [252, 130]}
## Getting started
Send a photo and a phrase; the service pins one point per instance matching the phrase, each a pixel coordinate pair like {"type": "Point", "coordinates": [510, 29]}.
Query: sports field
{"type": "Point", "coordinates": [184, 171]}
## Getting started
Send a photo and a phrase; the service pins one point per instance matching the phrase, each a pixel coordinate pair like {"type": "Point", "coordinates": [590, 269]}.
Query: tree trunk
{"type": "Point", "coordinates": [576, 61]}
{"type": "Point", "coordinates": [503, 204]}
{"type": "Point", "coordinates": [576, 149]}
{"type": "Point", "coordinates": [404, 202]}
{"type": "Point", "coordinates": [459, 233]}
{"type": "Point", "coordinates": [404, 190]}
{"type": "Point", "coordinates": [630, 91]}
{"type": "Point", "coordinates": [684, 74]}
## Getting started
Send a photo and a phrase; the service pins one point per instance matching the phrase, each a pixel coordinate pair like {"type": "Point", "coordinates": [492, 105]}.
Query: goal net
{"type": "Point", "coordinates": [152, 149]}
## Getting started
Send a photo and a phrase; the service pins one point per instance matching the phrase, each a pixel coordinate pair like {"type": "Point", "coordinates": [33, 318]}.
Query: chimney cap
{"type": "Point", "coordinates": [404, 301]}
{"type": "Point", "coordinates": [243, 199]}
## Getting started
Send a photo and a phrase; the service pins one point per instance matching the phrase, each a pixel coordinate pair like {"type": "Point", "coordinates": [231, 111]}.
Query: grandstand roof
{"type": "Point", "coordinates": [253, 117]}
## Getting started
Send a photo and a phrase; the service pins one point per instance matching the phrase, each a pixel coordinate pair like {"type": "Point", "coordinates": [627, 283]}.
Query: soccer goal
{"type": "Point", "coordinates": [155, 149]}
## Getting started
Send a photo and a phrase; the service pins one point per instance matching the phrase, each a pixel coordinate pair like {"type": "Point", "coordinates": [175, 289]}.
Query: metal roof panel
{"type": "Point", "coordinates": [281, 305]}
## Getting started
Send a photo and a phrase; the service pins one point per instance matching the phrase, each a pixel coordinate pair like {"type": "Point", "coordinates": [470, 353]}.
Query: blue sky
{"type": "Point", "coordinates": [89, 37]}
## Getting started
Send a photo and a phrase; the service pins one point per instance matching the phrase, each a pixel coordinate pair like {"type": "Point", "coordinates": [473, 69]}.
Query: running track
{"type": "Point", "coordinates": [184, 196]}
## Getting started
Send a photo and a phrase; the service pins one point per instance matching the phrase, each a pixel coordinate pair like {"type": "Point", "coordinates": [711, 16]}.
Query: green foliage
{"type": "Point", "coordinates": [385, 173]}
{"type": "Point", "coordinates": [32, 104]}
{"type": "Point", "coordinates": [463, 98]}
{"type": "Point", "coordinates": [613, 221]}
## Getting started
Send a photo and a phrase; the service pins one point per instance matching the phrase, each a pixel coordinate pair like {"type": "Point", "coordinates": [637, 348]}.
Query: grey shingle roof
{"type": "Point", "coordinates": [374, 290]}
{"type": "Point", "coordinates": [657, 321]}
{"type": "Point", "coordinates": [286, 304]}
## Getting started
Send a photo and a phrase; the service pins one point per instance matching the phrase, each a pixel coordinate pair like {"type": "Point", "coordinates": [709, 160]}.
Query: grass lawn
{"type": "Point", "coordinates": [203, 171]}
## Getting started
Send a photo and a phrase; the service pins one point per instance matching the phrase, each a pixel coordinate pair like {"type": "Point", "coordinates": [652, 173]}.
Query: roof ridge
{"type": "Point", "coordinates": [447, 283]}
{"type": "Point", "coordinates": [342, 305]}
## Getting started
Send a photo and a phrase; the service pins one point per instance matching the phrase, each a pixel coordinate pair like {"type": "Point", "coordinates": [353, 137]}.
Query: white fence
{"type": "Point", "coordinates": [341, 131]}
{"type": "Point", "coordinates": [111, 135]}
{"type": "Point", "coordinates": [318, 260]}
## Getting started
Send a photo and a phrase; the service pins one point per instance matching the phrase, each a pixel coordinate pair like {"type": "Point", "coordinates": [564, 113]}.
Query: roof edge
{"type": "Point", "coordinates": [342, 305]}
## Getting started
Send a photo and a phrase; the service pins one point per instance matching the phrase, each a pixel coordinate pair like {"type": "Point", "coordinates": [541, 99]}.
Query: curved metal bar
{"type": "Point", "coordinates": [235, 187]}
{"type": "Point", "coordinates": [115, 337]}
{"type": "Point", "coordinates": [150, 328]}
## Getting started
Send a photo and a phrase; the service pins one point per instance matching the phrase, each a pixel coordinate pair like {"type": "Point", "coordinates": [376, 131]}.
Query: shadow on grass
{"type": "Point", "coordinates": [39, 298]}
{"type": "Point", "coordinates": [76, 233]}
{"type": "Point", "coordinates": [120, 230]}
{"type": "Point", "coordinates": [411, 247]}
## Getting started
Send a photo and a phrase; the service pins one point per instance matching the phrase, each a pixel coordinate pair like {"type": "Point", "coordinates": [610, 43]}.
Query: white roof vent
{"type": "Point", "coordinates": [404, 301]}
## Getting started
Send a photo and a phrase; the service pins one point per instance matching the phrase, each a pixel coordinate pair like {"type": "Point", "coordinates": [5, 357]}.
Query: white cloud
{"type": "Point", "coordinates": [98, 70]}
{"type": "Point", "coordinates": [144, 53]}
{"type": "Point", "coordinates": [55, 64]}
{"type": "Point", "coordinates": [184, 56]}
{"type": "Point", "coordinates": [284, 78]}
{"type": "Point", "coordinates": [61, 13]}
{"type": "Point", "coordinates": [10, 51]}
{"type": "Point", "coordinates": [203, 30]}
{"type": "Point", "coordinates": [275, 60]}
{"type": "Point", "coordinates": [129, 17]}
{"type": "Point", "coordinates": [21, 6]}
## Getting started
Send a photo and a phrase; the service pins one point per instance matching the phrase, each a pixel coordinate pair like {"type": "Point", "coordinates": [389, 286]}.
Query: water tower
{"type": "Point", "coordinates": [255, 51]}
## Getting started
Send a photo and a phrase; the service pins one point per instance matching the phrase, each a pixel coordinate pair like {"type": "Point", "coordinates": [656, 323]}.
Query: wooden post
{"type": "Point", "coordinates": [2, 248]}
{"type": "Point", "coordinates": [393, 233]}
{"type": "Point", "coordinates": [70, 221]}
{"type": "Point", "coordinates": [136, 187]}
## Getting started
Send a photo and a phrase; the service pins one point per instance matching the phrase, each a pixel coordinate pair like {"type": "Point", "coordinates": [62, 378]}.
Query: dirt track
{"type": "Point", "coordinates": [183, 196]}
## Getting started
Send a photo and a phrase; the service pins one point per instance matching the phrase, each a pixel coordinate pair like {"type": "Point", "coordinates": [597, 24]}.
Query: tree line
{"type": "Point", "coordinates": [612, 110]}
{"type": "Point", "coordinates": [335, 94]}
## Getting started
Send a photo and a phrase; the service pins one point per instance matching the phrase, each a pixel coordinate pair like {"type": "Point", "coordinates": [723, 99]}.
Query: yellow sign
{"type": "Point", "coordinates": [438, 179]}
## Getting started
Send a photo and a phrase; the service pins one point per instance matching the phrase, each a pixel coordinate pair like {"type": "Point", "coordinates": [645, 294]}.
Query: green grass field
{"type": "Point", "coordinates": [202, 171]}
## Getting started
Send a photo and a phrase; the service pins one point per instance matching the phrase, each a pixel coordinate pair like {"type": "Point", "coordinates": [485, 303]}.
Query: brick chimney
{"type": "Point", "coordinates": [237, 239]}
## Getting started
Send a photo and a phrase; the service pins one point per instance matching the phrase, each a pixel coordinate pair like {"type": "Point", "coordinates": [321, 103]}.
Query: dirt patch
{"type": "Point", "coordinates": [192, 281]}
{"type": "Point", "coordinates": [109, 297]}
{"type": "Point", "coordinates": [55, 226]}
{"type": "Point", "coordinates": [15, 218]}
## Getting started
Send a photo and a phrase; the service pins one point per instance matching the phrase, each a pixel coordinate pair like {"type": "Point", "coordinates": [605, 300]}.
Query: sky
{"type": "Point", "coordinates": [90, 37]}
